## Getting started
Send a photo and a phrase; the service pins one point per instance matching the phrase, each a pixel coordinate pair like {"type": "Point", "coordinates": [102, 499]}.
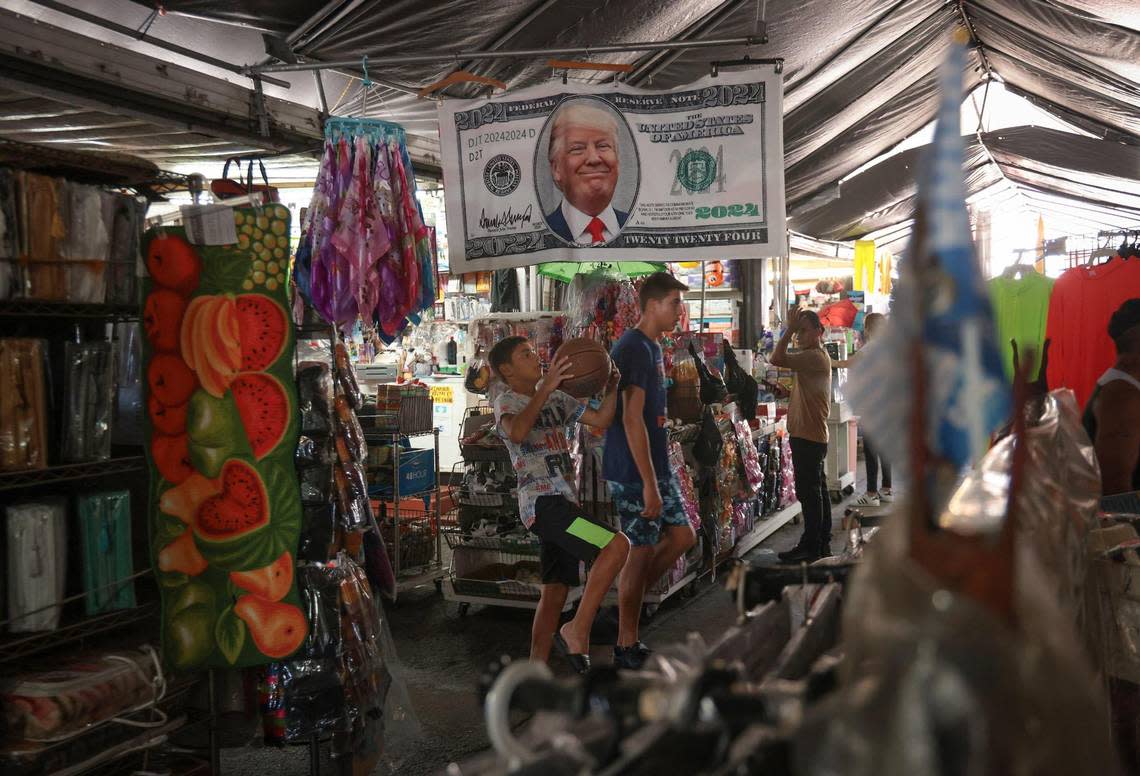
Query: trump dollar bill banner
{"type": "Point", "coordinates": [578, 172]}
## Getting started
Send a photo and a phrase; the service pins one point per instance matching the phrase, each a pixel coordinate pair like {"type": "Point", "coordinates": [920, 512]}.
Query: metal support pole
{"type": "Point", "coordinates": [438, 528]}
{"type": "Point", "coordinates": [315, 754]}
{"type": "Point", "coordinates": [214, 740]}
{"type": "Point", "coordinates": [322, 101]}
{"type": "Point", "coordinates": [704, 293]}
{"type": "Point", "coordinates": [396, 509]}
{"type": "Point", "coordinates": [421, 59]}
{"type": "Point", "coordinates": [122, 29]}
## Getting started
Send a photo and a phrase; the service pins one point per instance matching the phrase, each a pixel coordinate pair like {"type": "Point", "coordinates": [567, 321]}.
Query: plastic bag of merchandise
{"type": "Point", "coordinates": [346, 378]}
{"type": "Point", "coordinates": [318, 533]}
{"type": "Point", "coordinates": [127, 428]}
{"type": "Point", "coordinates": [787, 473]}
{"type": "Point", "coordinates": [79, 693]}
{"type": "Point", "coordinates": [354, 508]}
{"type": "Point", "coordinates": [728, 468]}
{"type": "Point", "coordinates": [350, 443]}
{"type": "Point", "coordinates": [88, 401]}
{"type": "Point", "coordinates": [683, 400]}
{"type": "Point", "coordinates": [315, 398]}
{"type": "Point", "coordinates": [752, 479]}
{"type": "Point", "coordinates": [685, 485]}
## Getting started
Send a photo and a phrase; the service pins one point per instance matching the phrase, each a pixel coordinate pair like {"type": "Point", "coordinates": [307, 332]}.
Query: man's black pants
{"type": "Point", "coordinates": [811, 489]}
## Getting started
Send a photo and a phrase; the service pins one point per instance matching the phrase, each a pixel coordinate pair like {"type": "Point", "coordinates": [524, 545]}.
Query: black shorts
{"type": "Point", "coordinates": [569, 536]}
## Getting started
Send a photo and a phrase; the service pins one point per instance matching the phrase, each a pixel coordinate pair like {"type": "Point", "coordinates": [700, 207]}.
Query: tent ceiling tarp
{"type": "Point", "coordinates": [859, 74]}
{"type": "Point", "coordinates": [1098, 172]}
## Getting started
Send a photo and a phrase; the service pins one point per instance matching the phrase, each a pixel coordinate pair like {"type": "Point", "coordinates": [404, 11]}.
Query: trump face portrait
{"type": "Point", "coordinates": [585, 166]}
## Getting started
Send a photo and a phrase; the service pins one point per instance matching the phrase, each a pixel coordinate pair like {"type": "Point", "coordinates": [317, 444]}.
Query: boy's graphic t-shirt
{"type": "Point", "coordinates": [546, 462]}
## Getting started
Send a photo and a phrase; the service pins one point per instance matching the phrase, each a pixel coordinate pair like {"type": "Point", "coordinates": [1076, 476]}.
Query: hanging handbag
{"type": "Point", "coordinates": [740, 384]}
{"type": "Point", "coordinates": [226, 187]}
{"type": "Point", "coordinates": [709, 440]}
{"type": "Point", "coordinates": [712, 387]}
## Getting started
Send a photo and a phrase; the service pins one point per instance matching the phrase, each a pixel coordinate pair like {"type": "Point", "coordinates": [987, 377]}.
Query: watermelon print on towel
{"type": "Point", "coordinates": [225, 506]}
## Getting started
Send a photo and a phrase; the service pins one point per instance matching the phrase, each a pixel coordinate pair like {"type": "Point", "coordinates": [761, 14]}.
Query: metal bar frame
{"type": "Point", "coordinates": [459, 56]}
{"type": "Point", "coordinates": [122, 29]}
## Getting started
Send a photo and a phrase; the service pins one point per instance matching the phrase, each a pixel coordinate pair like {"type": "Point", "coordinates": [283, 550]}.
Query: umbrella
{"type": "Point", "coordinates": [566, 270]}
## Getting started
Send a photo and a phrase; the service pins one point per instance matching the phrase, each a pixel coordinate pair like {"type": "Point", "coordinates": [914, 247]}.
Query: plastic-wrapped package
{"type": "Point", "coordinates": [88, 401]}
{"type": "Point", "coordinates": [127, 427]}
{"type": "Point", "coordinates": [313, 697]}
{"type": "Point", "coordinates": [354, 509]}
{"type": "Point", "coordinates": [24, 398]}
{"type": "Point", "coordinates": [787, 473]}
{"type": "Point", "coordinates": [108, 564]}
{"type": "Point", "coordinates": [318, 533]}
{"type": "Point", "coordinates": [685, 484]}
{"type": "Point", "coordinates": [346, 378]}
{"type": "Point", "coordinates": [753, 476]}
{"type": "Point", "coordinates": [316, 484]}
{"type": "Point", "coordinates": [315, 397]}
{"type": "Point", "coordinates": [349, 433]}
{"type": "Point", "coordinates": [319, 588]}
{"type": "Point", "coordinates": [728, 468]}
{"type": "Point", "coordinates": [9, 239]}
{"type": "Point", "coordinates": [83, 692]}
{"type": "Point", "coordinates": [37, 564]}
{"type": "Point", "coordinates": [87, 243]}
{"type": "Point", "coordinates": [125, 218]}
{"type": "Point", "coordinates": [367, 677]}
{"type": "Point", "coordinates": [315, 451]}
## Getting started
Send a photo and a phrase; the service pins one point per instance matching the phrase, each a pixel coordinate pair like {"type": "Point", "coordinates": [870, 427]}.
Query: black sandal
{"type": "Point", "coordinates": [579, 662]}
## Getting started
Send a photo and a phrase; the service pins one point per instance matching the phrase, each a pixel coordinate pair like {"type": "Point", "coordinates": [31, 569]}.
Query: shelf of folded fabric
{"type": "Point", "coordinates": [15, 646]}
{"type": "Point", "coordinates": [32, 308]}
{"type": "Point", "coordinates": [70, 472]}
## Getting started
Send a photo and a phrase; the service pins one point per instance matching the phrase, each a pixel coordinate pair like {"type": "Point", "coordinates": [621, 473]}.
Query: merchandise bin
{"type": "Point", "coordinates": [496, 571]}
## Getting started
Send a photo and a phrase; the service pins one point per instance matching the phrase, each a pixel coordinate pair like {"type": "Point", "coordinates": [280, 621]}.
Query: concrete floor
{"type": "Point", "coordinates": [441, 655]}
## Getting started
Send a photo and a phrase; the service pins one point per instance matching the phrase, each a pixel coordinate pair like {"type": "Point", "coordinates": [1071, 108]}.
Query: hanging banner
{"type": "Point", "coordinates": [553, 172]}
{"type": "Point", "coordinates": [225, 504]}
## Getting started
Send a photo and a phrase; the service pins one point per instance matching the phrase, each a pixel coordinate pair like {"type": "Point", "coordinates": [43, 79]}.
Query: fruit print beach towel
{"type": "Point", "coordinates": [225, 507]}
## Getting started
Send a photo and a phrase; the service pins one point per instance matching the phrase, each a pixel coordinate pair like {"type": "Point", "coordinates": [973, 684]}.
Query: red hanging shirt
{"type": "Point", "coordinates": [1083, 300]}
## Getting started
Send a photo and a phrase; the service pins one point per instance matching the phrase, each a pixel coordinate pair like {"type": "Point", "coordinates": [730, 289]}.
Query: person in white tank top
{"type": "Point", "coordinates": [1112, 415]}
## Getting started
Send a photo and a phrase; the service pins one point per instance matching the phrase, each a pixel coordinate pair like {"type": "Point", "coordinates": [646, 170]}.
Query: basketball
{"type": "Point", "coordinates": [589, 363]}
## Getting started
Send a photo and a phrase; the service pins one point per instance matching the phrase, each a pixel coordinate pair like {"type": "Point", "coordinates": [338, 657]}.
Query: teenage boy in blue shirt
{"type": "Point", "coordinates": [636, 463]}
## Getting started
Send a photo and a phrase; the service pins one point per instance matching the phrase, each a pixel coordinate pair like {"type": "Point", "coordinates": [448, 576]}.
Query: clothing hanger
{"type": "Point", "coordinates": [461, 77]}
{"type": "Point", "coordinates": [1019, 268]}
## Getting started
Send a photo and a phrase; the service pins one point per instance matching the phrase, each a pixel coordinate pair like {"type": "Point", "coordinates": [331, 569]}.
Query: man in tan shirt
{"type": "Point", "coordinates": [807, 428]}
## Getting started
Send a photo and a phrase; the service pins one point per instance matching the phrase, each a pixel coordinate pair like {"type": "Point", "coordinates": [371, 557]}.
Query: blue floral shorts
{"type": "Point", "coordinates": [628, 502]}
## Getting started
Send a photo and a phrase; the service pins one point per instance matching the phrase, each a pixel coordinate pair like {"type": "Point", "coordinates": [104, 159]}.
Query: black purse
{"type": "Point", "coordinates": [712, 387]}
{"type": "Point", "coordinates": [740, 384]}
{"type": "Point", "coordinates": [709, 441]}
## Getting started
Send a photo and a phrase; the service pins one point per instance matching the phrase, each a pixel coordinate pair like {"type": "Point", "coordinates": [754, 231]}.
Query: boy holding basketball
{"type": "Point", "coordinates": [539, 423]}
{"type": "Point", "coordinates": [636, 464]}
